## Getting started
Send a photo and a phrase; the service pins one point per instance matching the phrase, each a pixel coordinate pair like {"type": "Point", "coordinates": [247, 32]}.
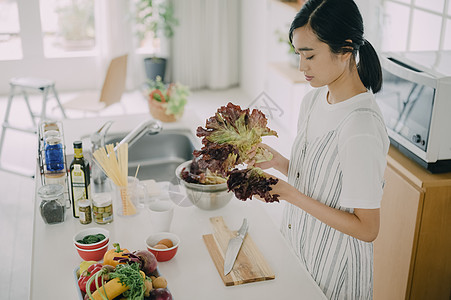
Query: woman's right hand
{"type": "Point", "coordinates": [277, 162]}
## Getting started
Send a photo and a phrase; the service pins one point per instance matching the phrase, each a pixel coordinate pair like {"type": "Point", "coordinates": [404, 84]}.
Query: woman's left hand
{"type": "Point", "coordinates": [281, 188]}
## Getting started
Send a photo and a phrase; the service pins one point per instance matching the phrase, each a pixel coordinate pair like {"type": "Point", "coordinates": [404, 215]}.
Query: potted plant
{"type": "Point", "coordinates": [154, 19]}
{"type": "Point", "coordinates": [283, 38]}
{"type": "Point", "coordinates": [167, 101]}
{"type": "Point", "coordinates": [76, 24]}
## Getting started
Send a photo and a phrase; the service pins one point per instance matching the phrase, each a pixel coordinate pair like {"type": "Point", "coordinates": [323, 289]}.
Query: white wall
{"type": "Point", "coordinates": [371, 11]}
{"type": "Point", "coordinates": [253, 46]}
{"type": "Point", "coordinates": [259, 43]}
{"type": "Point", "coordinates": [280, 17]}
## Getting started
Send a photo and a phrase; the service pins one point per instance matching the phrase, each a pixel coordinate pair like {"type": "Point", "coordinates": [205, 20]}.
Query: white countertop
{"type": "Point", "coordinates": [191, 274]}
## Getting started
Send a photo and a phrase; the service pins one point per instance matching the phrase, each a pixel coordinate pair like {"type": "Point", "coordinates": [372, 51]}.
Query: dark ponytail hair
{"type": "Point", "coordinates": [335, 22]}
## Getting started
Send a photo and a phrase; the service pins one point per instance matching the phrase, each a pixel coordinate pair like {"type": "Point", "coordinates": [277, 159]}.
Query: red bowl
{"type": "Point", "coordinates": [93, 254]}
{"type": "Point", "coordinates": [89, 231]}
{"type": "Point", "coordinates": [163, 254]}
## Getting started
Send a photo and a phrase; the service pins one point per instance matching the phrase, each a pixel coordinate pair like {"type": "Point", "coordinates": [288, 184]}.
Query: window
{"type": "Point", "coordinates": [45, 38]}
{"type": "Point", "coordinates": [416, 25]}
{"type": "Point", "coordinates": [67, 26]}
{"type": "Point", "coordinates": [153, 23]}
{"type": "Point", "coordinates": [10, 41]}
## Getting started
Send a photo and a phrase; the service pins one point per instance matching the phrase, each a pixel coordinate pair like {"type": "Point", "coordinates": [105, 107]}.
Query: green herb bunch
{"type": "Point", "coordinates": [130, 276]}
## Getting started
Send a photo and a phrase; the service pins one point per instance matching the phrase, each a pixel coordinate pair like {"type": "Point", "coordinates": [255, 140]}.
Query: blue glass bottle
{"type": "Point", "coordinates": [54, 157]}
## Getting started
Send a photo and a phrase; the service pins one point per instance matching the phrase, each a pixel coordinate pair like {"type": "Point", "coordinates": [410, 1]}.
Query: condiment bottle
{"type": "Point", "coordinates": [57, 178]}
{"type": "Point", "coordinates": [102, 208]}
{"type": "Point", "coordinates": [51, 133]}
{"type": "Point", "coordinates": [52, 205]}
{"type": "Point", "coordinates": [80, 179]}
{"type": "Point", "coordinates": [50, 125]}
{"type": "Point", "coordinates": [54, 156]}
{"type": "Point", "coordinates": [84, 210]}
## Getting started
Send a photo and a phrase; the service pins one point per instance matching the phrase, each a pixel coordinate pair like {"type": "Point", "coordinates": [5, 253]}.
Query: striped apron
{"type": "Point", "coordinates": [341, 265]}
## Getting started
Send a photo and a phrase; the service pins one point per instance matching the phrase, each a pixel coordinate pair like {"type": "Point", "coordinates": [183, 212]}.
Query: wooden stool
{"type": "Point", "coordinates": [21, 85]}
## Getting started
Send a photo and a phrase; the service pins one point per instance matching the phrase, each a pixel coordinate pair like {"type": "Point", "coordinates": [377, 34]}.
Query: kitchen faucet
{"type": "Point", "coordinates": [98, 137]}
{"type": "Point", "coordinates": [98, 140]}
{"type": "Point", "coordinates": [150, 126]}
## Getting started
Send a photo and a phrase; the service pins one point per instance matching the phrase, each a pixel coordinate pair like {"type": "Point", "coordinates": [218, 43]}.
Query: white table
{"type": "Point", "coordinates": [191, 274]}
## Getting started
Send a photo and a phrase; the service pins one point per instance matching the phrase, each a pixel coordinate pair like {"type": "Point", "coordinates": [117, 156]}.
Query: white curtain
{"type": "Point", "coordinates": [206, 43]}
{"type": "Point", "coordinates": [115, 38]}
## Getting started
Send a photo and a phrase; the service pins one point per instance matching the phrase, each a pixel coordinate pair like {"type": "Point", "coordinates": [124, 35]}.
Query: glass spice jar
{"type": "Point", "coordinates": [52, 206]}
{"type": "Point", "coordinates": [102, 207]}
{"type": "Point", "coordinates": [84, 210]}
{"type": "Point", "coordinates": [54, 156]}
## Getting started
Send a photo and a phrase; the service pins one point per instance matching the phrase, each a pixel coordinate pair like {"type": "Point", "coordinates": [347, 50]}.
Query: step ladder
{"type": "Point", "coordinates": [21, 85]}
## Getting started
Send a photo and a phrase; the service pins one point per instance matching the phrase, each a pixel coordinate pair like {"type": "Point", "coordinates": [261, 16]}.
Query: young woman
{"type": "Point", "coordinates": [335, 173]}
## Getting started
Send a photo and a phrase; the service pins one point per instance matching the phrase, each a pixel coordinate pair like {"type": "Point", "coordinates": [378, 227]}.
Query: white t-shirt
{"type": "Point", "coordinates": [362, 144]}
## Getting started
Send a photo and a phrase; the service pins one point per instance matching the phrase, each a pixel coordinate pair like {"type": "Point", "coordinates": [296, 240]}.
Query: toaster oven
{"type": "Point", "coordinates": [415, 102]}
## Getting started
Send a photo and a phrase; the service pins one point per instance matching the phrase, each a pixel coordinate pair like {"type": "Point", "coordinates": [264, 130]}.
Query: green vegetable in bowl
{"type": "Point", "coordinates": [92, 238]}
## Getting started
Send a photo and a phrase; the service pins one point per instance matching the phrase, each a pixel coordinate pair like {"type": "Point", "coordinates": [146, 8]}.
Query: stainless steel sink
{"type": "Point", "coordinates": [158, 155]}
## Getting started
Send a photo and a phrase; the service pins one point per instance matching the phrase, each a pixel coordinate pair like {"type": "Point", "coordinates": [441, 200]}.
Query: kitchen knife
{"type": "Point", "coordinates": [234, 247]}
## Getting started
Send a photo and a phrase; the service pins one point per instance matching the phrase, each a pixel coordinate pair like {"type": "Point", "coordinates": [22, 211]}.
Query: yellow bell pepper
{"type": "Point", "coordinates": [108, 258]}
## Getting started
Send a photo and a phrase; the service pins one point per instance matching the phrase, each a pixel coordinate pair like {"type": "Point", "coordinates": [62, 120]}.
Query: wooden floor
{"type": "Point", "coordinates": [17, 192]}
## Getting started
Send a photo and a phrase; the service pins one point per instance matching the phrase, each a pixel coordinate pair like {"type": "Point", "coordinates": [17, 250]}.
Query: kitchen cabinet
{"type": "Point", "coordinates": [412, 254]}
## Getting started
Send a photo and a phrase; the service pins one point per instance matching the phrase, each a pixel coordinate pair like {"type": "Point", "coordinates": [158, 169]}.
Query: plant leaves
{"type": "Point", "coordinates": [240, 128]}
{"type": "Point", "coordinates": [228, 138]}
{"type": "Point", "coordinates": [248, 182]}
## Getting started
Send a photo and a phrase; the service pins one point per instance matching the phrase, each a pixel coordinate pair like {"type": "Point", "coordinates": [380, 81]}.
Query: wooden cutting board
{"type": "Point", "coordinates": [250, 265]}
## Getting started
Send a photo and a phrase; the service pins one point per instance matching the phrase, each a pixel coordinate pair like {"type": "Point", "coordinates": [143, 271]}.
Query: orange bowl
{"type": "Point", "coordinates": [163, 254]}
{"type": "Point", "coordinates": [92, 254]}
{"type": "Point", "coordinates": [89, 231]}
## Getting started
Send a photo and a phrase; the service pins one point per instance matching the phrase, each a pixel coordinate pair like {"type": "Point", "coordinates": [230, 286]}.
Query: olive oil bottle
{"type": "Point", "coordinates": [80, 179]}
